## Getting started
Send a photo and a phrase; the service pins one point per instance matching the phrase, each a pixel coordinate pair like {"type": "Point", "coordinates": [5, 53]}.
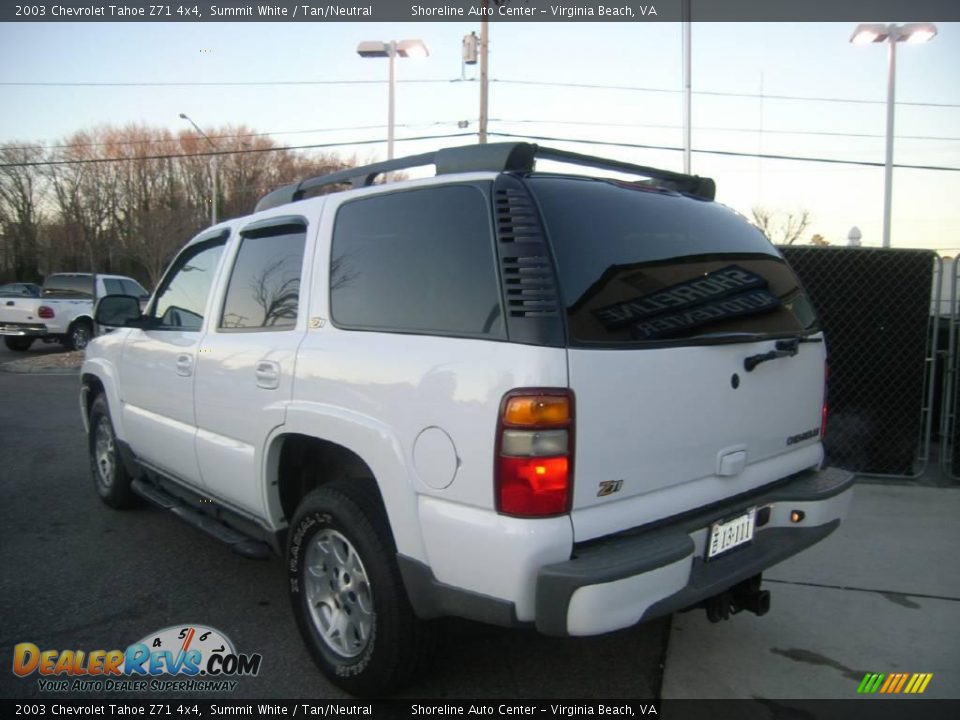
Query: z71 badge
{"type": "Point", "coordinates": [609, 487]}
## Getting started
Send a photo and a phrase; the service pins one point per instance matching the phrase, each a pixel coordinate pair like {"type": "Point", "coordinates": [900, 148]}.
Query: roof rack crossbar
{"type": "Point", "coordinates": [493, 157]}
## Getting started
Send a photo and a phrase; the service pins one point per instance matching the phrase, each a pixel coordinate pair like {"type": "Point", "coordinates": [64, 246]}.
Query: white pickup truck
{"type": "Point", "coordinates": [64, 311]}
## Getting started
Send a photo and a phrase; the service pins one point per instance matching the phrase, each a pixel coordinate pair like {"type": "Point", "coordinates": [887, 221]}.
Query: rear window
{"type": "Point", "coordinates": [75, 286]}
{"type": "Point", "coordinates": [648, 266]}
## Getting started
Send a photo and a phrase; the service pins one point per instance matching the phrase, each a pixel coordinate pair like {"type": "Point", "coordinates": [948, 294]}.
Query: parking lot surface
{"type": "Point", "coordinates": [880, 595]}
{"type": "Point", "coordinates": [77, 575]}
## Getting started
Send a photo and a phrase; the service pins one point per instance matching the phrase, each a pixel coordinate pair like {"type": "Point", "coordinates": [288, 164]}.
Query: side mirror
{"type": "Point", "coordinates": [118, 311]}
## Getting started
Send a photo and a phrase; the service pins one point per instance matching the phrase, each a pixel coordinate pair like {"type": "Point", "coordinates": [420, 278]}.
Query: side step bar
{"type": "Point", "coordinates": [235, 540]}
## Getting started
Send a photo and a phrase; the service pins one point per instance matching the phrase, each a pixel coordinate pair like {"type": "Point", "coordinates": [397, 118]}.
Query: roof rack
{"type": "Point", "coordinates": [493, 157]}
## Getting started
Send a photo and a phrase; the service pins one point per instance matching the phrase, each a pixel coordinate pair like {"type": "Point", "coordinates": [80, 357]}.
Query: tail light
{"type": "Point", "coordinates": [534, 456]}
{"type": "Point", "coordinates": [45, 312]}
{"type": "Point", "coordinates": [825, 407]}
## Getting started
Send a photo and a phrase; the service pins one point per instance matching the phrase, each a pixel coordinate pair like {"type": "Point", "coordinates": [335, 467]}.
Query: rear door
{"type": "Point", "coordinates": [245, 368]}
{"type": "Point", "coordinates": [669, 301]}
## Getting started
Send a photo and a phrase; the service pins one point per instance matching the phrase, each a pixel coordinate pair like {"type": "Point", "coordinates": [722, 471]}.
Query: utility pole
{"type": "Point", "coordinates": [687, 119]}
{"type": "Point", "coordinates": [484, 79]}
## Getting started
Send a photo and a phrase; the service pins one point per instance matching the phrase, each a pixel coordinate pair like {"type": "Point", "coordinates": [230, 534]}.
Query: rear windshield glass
{"type": "Point", "coordinates": [647, 266]}
{"type": "Point", "coordinates": [79, 286]}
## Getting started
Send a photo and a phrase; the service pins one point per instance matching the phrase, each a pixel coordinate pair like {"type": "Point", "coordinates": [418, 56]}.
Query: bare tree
{"type": "Point", "coordinates": [86, 192]}
{"type": "Point", "coordinates": [124, 199]}
{"type": "Point", "coordinates": [21, 188]}
{"type": "Point", "coordinates": [782, 227]}
{"type": "Point", "coordinates": [276, 290]}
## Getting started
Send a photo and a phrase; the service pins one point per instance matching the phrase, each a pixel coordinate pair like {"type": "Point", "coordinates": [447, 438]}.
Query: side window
{"type": "Point", "coordinates": [264, 289]}
{"type": "Point", "coordinates": [183, 294]}
{"type": "Point", "coordinates": [114, 287]}
{"type": "Point", "coordinates": [417, 261]}
{"type": "Point", "coordinates": [130, 287]}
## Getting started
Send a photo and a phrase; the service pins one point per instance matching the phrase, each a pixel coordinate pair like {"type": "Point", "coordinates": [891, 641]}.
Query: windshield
{"type": "Point", "coordinates": [641, 265]}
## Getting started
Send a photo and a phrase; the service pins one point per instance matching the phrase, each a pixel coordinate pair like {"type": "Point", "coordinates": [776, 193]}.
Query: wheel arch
{"type": "Point", "coordinates": [99, 378]}
{"type": "Point", "coordinates": [315, 447]}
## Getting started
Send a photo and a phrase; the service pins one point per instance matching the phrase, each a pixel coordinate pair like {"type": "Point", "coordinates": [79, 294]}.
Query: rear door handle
{"type": "Point", "coordinates": [184, 365]}
{"type": "Point", "coordinates": [268, 374]}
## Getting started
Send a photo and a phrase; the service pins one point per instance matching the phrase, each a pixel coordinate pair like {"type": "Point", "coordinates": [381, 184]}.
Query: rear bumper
{"type": "Point", "coordinates": [620, 580]}
{"type": "Point", "coordinates": [23, 329]}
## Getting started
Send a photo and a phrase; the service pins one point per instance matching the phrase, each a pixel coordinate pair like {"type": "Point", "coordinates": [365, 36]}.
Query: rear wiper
{"type": "Point", "coordinates": [784, 348]}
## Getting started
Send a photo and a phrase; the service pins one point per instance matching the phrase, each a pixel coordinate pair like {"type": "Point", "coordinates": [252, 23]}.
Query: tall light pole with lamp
{"type": "Point", "coordinates": [891, 34]}
{"type": "Point", "coordinates": [214, 167]}
{"type": "Point", "coordinates": [391, 50]}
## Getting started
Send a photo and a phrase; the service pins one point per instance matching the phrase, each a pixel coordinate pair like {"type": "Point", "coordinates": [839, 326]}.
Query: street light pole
{"type": "Point", "coordinates": [484, 79]}
{"type": "Point", "coordinates": [392, 50]}
{"type": "Point", "coordinates": [391, 112]}
{"type": "Point", "coordinates": [214, 167]}
{"type": "Point", "coordinates": [888, 162]}
{"type": "Point", "coordinates": [686, 88]}
{"type": "Point", "coordinates": [891, 34]}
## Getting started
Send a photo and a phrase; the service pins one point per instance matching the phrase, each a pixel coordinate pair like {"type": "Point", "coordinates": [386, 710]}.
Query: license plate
{"type": "Point", "coordinates": [727, 535]}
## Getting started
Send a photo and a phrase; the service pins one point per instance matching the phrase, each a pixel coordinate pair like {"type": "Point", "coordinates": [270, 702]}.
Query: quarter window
{"type": "Point", "coordinates": [417, 261]}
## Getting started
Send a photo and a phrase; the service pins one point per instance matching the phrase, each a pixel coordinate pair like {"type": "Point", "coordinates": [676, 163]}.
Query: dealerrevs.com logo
{"type": "Point", "coordinates": [179, 658]}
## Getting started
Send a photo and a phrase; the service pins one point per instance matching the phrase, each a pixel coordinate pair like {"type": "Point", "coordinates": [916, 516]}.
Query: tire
{"type": "Point", "coordinates": [351, 605]}
{"type": "Point", "coordinates": [79, 335]}
{"type": "Point", "coordinates": [110, 478]}
{"type": "Point", "coordinates": [18, 344]}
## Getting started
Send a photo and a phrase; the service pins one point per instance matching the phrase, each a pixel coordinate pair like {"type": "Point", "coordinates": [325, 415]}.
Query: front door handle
{"type": "Point", "coordinates": [268, 374]}
{"type": "Point", "coordinates": [184, 365]}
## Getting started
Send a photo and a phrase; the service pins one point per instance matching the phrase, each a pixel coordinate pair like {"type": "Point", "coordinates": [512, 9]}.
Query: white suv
{"type": "Point", "coordinates": [523, 398]}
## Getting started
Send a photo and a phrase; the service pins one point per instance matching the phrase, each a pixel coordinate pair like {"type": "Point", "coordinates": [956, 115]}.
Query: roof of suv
{"type": "Point", "coordinates": [518, 157]}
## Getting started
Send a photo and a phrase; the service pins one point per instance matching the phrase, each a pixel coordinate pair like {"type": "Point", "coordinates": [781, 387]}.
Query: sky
{"type": "Point", "coordinates": [756, 62]}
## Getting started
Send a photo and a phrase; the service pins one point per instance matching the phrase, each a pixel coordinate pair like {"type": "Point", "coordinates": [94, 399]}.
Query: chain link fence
{"type": "Point", "coordinates": [875, 310]}
{"type": "Point", "coordinates": [950, 413]}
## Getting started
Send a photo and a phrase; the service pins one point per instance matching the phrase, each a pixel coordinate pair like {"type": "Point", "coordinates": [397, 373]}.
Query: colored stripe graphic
{"type": "Point", "coordinates": [895, 683]}
{"type": "Point", "coordinates": [870, 683]}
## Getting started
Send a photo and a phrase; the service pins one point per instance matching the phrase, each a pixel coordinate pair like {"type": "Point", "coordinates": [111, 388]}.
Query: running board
{"type": "Point", "coordinates": [235, 540]}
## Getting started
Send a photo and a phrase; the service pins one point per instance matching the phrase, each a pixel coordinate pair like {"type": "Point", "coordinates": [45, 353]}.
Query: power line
{"type": "Point", "coordinates": [729, 153]}
{"type": "Point", "coordinates": [585, 123]}
{"type": "Point", "coordinates": [541, 83]}
{"type": "Point", "coordinates": [720, 93]}
{"type": "Point", "coordinates": [174, 139]}
{"type": "Point", "coordinates": [222, 83]}
{"type": "Point", "coordinates": [86, 161]}
{"type": "Point", "coordinates": [762, 131]}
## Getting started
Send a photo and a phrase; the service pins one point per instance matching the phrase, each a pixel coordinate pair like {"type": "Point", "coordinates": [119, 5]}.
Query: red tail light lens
{"type": "Point", "coordinates": [534, 463]}
{"type": "Point", "coordinates": [45, 312]}
{"type": "Point", "coordinates": [533, 487]}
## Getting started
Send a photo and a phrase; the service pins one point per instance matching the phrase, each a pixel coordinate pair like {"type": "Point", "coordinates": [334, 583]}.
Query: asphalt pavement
{"type": "Point", "coordinates": [78, 575]}
{"type": "Point", "coordinates": [880, 595]}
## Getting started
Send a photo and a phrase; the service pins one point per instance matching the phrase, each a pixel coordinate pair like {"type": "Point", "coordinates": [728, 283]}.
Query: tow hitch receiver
{"type": "Point", "coordinates": [746, 595]}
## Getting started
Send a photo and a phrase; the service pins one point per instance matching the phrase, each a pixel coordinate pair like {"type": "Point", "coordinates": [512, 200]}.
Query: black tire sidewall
{"type": "Point", "coordinates": [18, 344]}
{"type": "Point", "coordinates": [326, 509]}
{"type": "Point", "coordinates": [71, 344]}
{"type": "Point", "coordinates": [118, 494]}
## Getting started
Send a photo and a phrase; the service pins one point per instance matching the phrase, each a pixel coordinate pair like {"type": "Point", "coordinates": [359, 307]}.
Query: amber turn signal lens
{"type": "Point", "coordinates": [537, 411]}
